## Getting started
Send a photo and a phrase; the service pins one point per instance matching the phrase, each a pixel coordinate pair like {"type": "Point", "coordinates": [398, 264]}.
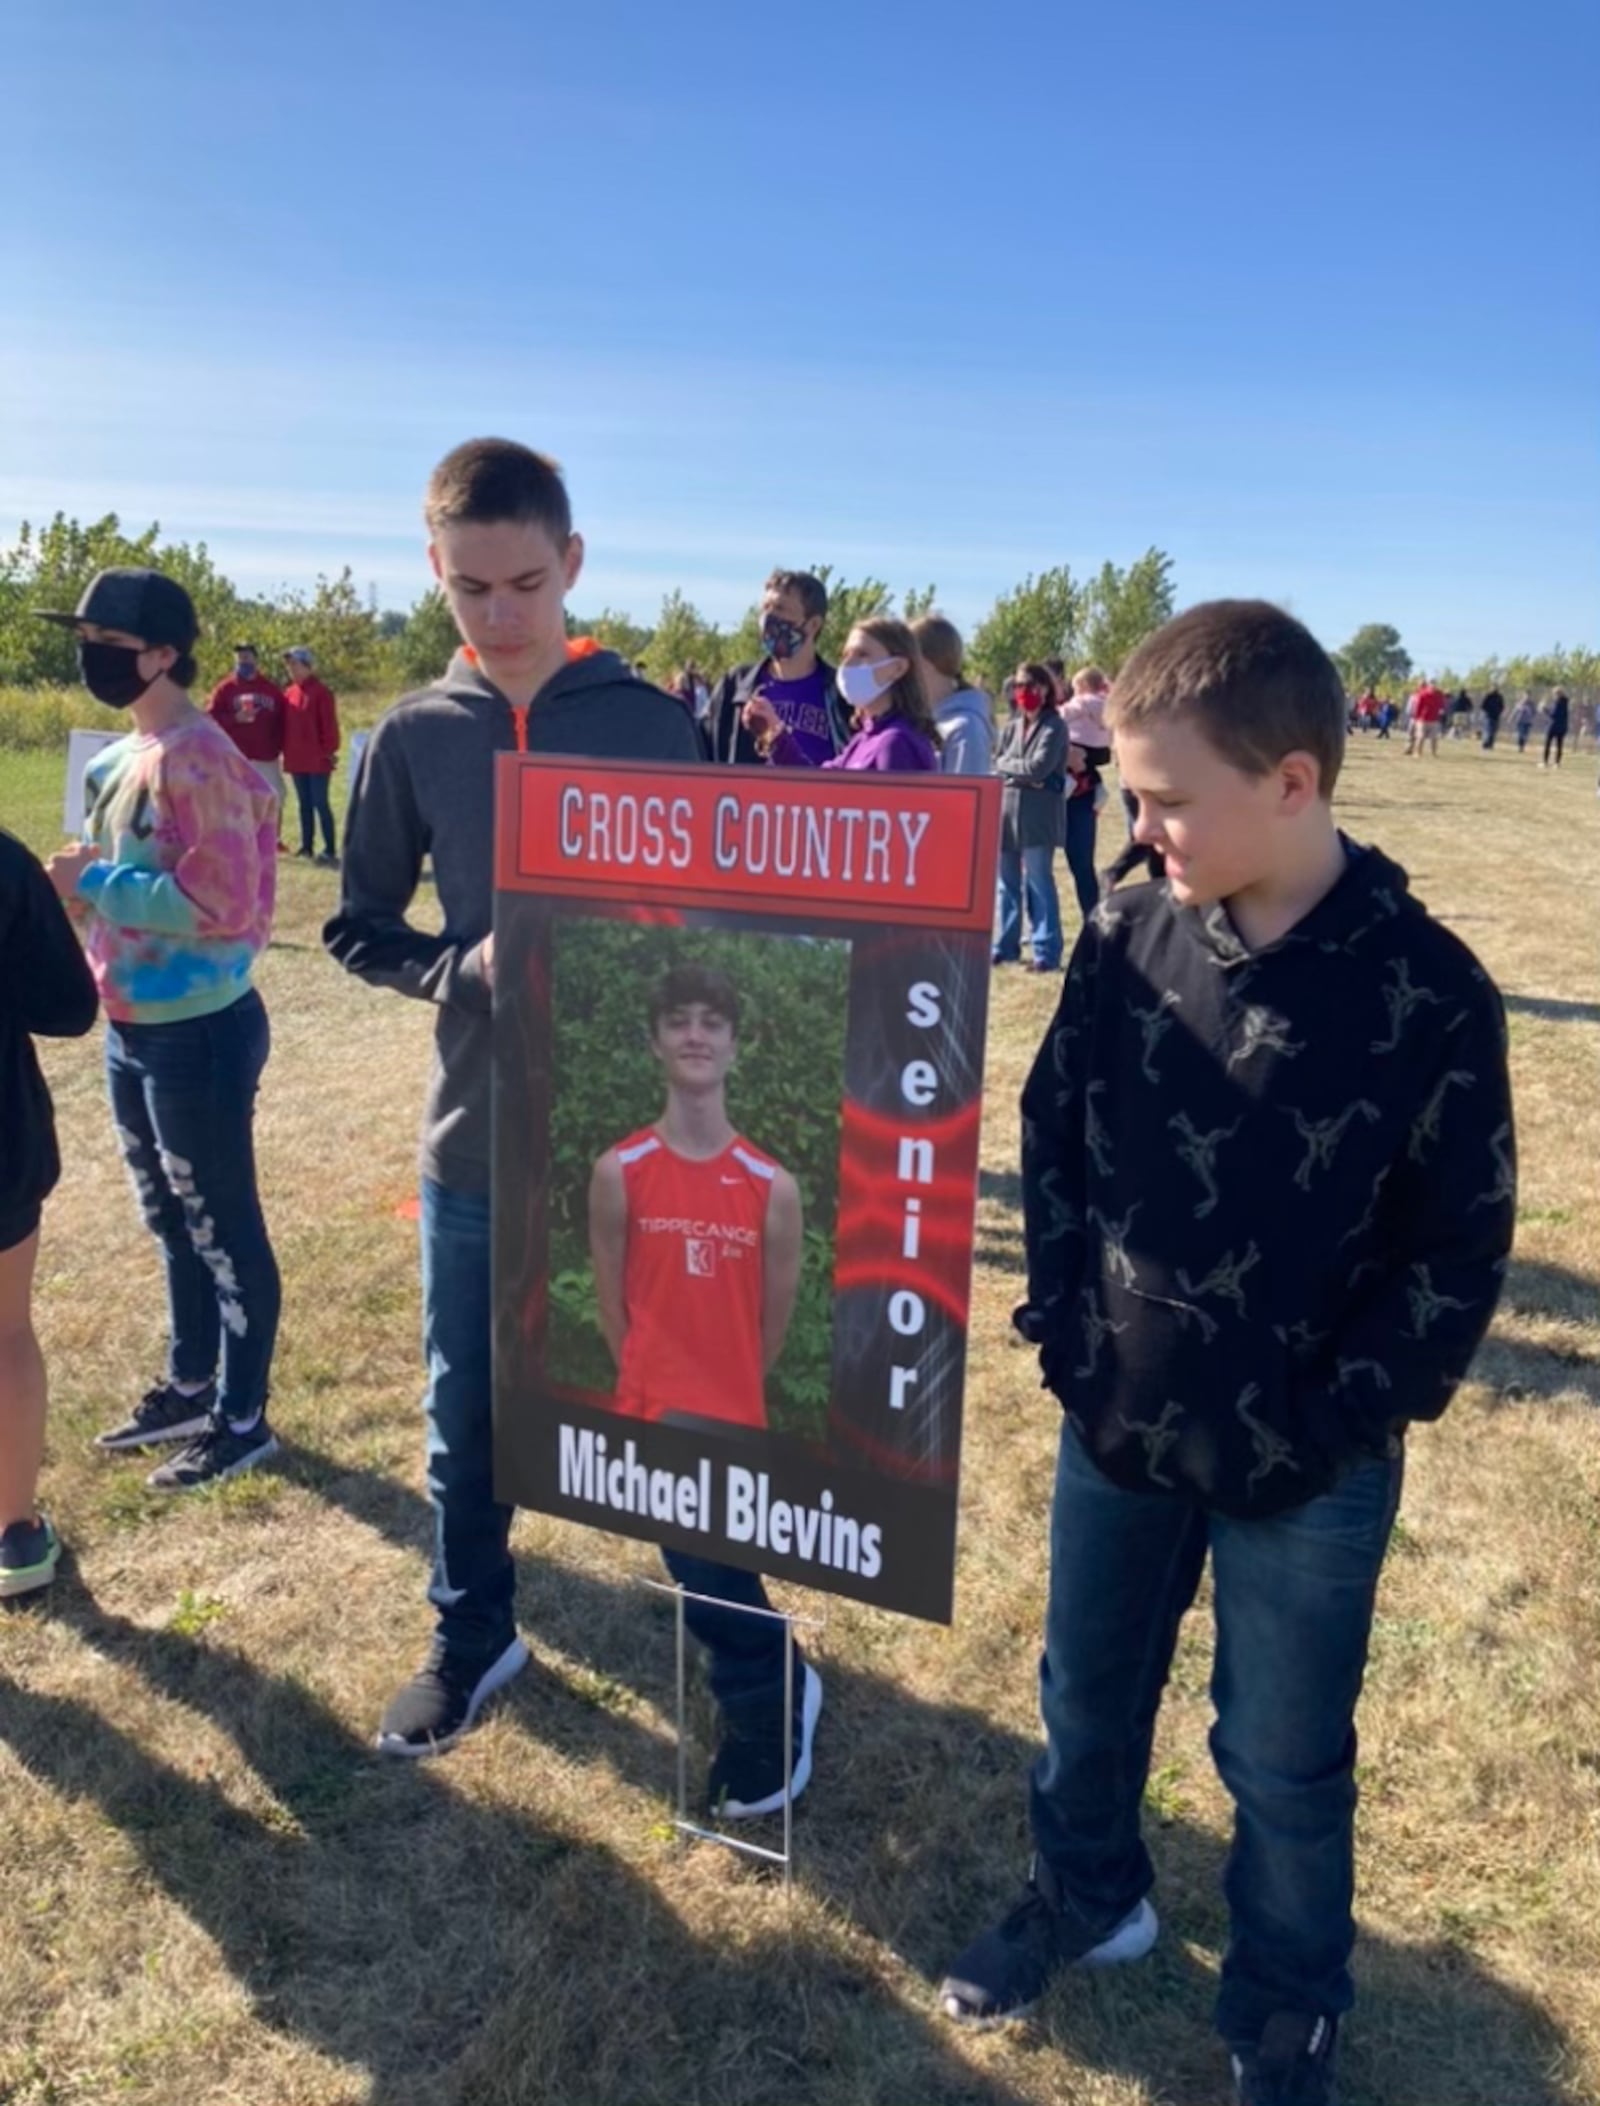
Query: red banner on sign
{"type": "Point", "coordinates": [899, 849]}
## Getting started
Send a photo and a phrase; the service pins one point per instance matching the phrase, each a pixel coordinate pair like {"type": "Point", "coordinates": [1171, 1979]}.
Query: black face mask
{"type": "Point", "coordinates": [783, 639]}
{"type": "Point", "coordinates": [111, 673]}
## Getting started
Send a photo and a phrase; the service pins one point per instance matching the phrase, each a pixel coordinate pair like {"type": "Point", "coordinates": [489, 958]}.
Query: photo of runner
{"type": "Point", "coordinates": [694, 1233]}
{"type": "Point", "coordinates": [693, 1205]}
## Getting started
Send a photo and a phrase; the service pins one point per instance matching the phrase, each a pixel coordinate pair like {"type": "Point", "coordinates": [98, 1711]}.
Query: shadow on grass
{"type": "Point", "coordinates": [380, 1502]}
{"type": "Point", "coordinates": [448, 1947]}
{"type": "Point", "coordinates": [1552, 1009]}
{"type": "Point", "coordinates": [1003, 1252]}
{"type": "Point", "coordinates": [1004, 1187]}
{"type": "Point", "coordinates": [997, 1244]}
{"type": "Point", "coordinates": [1524, 1370]}
{"type": "Point", "coordinates": [1535, 1288]}
{"type": "Point", "coordinates": [455, 1951]}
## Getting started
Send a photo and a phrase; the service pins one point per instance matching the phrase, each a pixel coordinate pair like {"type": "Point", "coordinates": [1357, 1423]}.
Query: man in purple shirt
{"type": "Point", "coordinates": [800, 686]}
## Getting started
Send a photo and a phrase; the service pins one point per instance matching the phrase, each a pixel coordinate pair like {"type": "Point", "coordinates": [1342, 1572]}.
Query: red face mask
{"type": "Point", "coordinates": [1030, 699]}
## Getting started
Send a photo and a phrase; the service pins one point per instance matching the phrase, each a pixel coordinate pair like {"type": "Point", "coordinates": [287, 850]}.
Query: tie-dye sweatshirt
{"type": "Point", "coordinates": [180, 900]}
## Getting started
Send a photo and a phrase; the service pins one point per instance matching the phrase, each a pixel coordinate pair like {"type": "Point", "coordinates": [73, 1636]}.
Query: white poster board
{"type": "Point", "coordinates": [82, 746]}
{"type": "Point", "coordinates": [358, 746]}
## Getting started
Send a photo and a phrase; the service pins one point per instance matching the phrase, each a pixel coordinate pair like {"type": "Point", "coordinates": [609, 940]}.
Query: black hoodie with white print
{"type": "Point", "coordinates": [1268, 1195]}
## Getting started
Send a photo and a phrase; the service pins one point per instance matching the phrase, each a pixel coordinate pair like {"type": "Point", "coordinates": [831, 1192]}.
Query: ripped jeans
{"type": "Point", "coordinates": [183, 1101]}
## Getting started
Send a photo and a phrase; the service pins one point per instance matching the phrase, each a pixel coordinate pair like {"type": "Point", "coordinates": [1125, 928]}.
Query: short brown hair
{"type": "Point", "coordinates": [940, 643]}
{"type": "Point", "coordinates": [1254, 680]}
{"type": "Point", "coordinates": [809, 591]}
{"type": "Point", "coordinates": [488, 480]}
{"type": "Point", "coordinates": [695, 983]}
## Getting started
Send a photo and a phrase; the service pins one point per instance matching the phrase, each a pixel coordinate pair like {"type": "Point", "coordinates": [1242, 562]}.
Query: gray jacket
{"type": "Point", "coordinates": [426, 787]}
{"type": "Point", "coordinates": [968, 729]}
{"type": "Point", "coordinates": [1032, 763]}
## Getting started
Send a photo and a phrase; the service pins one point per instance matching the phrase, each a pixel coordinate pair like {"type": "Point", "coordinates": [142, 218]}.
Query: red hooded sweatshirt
{"type": "Point", "coordinates": [310, 728]}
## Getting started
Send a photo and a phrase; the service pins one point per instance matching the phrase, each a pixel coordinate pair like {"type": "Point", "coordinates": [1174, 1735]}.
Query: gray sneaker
{"type": "Point", "coordinates": [1292, 2064]}
{"type": "Point", "coordinates": [162, 1414]}
{"type": "Point", "coordinates": [1003, 1974]}
{"type": "Point", "coordinates": [443, 1698]}
{"type": "Point", "coordinates": [213, 1455]}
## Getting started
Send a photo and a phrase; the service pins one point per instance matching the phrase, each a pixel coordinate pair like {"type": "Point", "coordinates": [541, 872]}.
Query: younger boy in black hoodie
{"type": "Point", "coordinates": [1268, 1188]}
{"type": "Point", "coordinates": [502, 546]}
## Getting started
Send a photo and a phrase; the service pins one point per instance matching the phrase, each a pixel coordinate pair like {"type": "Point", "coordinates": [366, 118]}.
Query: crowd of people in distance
{"type": "Point", "coordinates": [1429, 714]}
{"type": "Point", "coordinates": [1266, 1161]}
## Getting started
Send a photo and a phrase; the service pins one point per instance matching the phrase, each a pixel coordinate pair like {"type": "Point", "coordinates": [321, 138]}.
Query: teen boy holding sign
{"type": "Point", "coordinates": [502, 546]}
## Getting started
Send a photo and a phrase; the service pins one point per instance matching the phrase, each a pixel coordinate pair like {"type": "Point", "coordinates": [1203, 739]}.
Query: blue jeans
{"type": "Point", "coordinates": [312, 793]}
{"type": "Point", "coordinates": [474, 1582]}
{"type": "Point", "coordinates": [1294, 1599]}
{"type": "Point", "coordinates": [1082, 825]}
{"type": "Point", "coordinates": [183, 1099]}
{"type": "Point", "coordinates": [1030, 868]}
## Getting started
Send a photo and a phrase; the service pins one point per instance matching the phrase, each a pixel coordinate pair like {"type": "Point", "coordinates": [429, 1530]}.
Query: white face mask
{"type": "Point", "coordinates": [860, 686]}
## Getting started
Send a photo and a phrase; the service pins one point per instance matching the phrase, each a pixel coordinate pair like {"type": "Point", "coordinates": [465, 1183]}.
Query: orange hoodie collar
{"type": "Point", "coordinates": [577, 647]}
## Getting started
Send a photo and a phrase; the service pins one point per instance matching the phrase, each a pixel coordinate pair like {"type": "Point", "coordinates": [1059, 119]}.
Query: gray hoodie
{"type": "Point", "coordinates": [968, 731]}
{"type": "Point", "coordinates": [426, 787]}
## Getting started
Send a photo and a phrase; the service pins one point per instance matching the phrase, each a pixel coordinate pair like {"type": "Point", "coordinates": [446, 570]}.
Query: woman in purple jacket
{"type": "Point", "coordinates": [880, 676]}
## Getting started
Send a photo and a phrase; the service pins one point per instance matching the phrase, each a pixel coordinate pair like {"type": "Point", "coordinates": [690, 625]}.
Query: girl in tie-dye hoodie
{"type": "Point", "coordinates": [172, 885]}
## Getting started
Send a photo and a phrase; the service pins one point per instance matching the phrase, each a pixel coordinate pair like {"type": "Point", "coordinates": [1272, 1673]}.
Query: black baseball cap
{"type": "Point", "coordinates": [140, 603]}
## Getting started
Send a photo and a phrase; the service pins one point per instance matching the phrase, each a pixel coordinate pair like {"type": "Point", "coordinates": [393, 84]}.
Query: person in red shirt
{"type": "Point", "coordinates": [694, 1232]}
{"type": "Point", "coordinates": [696, 1241]}
{"type": "Point", "coordinates": [250, 709]}
{"type": "Point", "coordinates": [1428, 706]}
{"type": "Point", "coordinates": [310, 748]}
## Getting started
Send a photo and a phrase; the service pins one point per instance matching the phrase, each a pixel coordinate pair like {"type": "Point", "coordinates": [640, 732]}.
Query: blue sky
{"type": "Point", "coordinates": [1305, 295]}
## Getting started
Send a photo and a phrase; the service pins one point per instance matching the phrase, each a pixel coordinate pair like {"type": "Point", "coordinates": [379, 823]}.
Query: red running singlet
{"type": "Point", "coordinates": [692, 1282]}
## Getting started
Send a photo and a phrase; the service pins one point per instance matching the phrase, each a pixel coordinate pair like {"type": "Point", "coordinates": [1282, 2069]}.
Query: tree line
{"type": "Point", "coordinates": [1376, 658]}
{"type": "Point", "coordinates": [362, 648]}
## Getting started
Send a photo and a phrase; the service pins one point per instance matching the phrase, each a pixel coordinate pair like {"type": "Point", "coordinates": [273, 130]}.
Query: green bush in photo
{"type": "Point", "coordinates": [783, 1095]}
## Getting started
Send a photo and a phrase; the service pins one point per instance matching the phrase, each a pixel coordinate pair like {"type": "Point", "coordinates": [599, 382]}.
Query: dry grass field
{"type": "Point", "coordinates": [212, 1891]}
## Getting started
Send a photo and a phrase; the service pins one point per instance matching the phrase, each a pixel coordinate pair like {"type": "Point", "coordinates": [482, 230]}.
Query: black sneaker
{"type": "Point", "coordinates": [1292, 2064]}
{"type": "Point", "coordinates": [163, 1414]}
{"type": "Point", "coordinates": [1003, 1974]}
{"type": "Point", "coordinates": [211, 1456]}
{"type": "Point", "coordinates": [29, 1554]}
{"type": "Point", "coordinates": [328, 861]}
{"type": "Point", "coordinates": [747, 1773]}
{"type": "Point", "coordinates": [443, 1699]}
